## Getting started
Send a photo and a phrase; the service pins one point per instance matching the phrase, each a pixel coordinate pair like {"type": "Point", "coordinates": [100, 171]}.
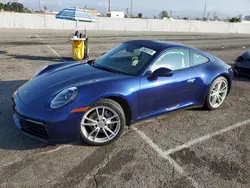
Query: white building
{"type": "Point", "coordinates": [116, 14]}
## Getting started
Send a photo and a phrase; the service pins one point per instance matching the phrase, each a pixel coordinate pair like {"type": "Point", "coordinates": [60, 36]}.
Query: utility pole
{"type": "Point", "coordinates": [131, 9]}
{"type": "Point", "coordinates": [39, 3]}
{"type": "Point", "coordinates": [109, 6]}
{"type": "Point", "coordinates": [214, 16]}
{"type": "Point", "coordinates": [204, 13]}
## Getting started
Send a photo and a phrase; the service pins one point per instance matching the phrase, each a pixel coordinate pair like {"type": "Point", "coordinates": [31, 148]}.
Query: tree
{"type": "Point", "coordinates": [14, 6]}
{"type": "Point", "coordinates": [27, 10]}
{"type": "Point", "coordinates": [17, 7]}
{"type": "Point", "coordinates": [6, 7]}
{"type": "Point", "coordinates": [234, 20]}
{"type": "Point", "coordinates": [1, 6]}
{"type": "Point", "coordinates": [163, 14]}
{"type": "Point", "coordinates": [140, 15]}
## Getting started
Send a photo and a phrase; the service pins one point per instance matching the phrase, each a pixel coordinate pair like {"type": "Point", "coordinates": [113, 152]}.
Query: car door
{"type": "Point", "coordinates": [164, 94]}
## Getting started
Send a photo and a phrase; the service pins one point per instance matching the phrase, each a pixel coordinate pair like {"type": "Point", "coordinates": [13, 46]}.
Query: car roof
{"type": "Point", "coordinates": [161, 46]}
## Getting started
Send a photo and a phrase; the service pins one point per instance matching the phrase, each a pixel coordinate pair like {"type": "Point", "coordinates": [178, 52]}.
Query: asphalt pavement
{"type": "Point", "coordinates": [182, 149]}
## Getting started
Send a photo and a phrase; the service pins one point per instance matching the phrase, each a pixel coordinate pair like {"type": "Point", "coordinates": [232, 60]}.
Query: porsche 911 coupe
{"type": "Point", "coordinates": [94, 100]}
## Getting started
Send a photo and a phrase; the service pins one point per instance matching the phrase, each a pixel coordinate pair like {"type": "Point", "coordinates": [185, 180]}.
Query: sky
{"type": "Point", "coordinates": [190, 8]}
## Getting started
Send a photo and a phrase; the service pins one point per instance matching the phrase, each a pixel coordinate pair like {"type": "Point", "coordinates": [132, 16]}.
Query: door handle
{"type": "Point", "coordinates": [191, 80]}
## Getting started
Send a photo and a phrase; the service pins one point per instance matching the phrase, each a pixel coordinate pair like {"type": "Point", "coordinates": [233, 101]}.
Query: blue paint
{"type": "Point", "coordinates": [146, 97]}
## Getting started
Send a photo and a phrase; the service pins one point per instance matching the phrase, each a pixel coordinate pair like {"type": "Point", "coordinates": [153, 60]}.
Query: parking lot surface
{"type": "Point", "coordinates": [186, 148]}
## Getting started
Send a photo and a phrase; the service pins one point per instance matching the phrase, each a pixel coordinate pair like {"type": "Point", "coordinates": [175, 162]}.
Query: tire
{"type": "Point", "coordinates": [213, 93]}
{"type": "Point", "coordinates": [97, 125]}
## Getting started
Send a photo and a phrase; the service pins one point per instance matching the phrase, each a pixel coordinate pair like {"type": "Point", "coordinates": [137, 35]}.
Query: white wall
{"type": "Point", "coordinates": [117, 14]}
{"type": "Point", "coordinates": [36, 21]}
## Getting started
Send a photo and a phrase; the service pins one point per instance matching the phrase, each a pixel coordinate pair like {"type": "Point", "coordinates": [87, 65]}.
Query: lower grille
{"type": "Point", "coordinates": [32, 127]}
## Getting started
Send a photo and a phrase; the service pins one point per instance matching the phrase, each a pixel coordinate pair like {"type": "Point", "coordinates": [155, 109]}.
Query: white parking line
{"type": "Point", "coordinates": [165, 156]}
{"type": "Point", "coordinates": [50, 47]}
{"type": "Point", "coordinates": [208, 136]}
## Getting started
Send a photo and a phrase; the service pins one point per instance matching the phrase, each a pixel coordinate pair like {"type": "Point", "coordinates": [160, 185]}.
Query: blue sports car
{"type": "Point", "coordinates": [93, 100]}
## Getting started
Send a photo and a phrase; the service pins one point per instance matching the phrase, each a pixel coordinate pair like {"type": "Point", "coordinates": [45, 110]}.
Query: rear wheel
{"type": "Point", "coordinates": [217, 93]}
{"type": "Point", "coordinates": [102, 123]}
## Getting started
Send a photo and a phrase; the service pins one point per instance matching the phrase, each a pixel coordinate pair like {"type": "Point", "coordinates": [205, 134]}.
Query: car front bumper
{"type": "Point", "coordinates": [55, 127]}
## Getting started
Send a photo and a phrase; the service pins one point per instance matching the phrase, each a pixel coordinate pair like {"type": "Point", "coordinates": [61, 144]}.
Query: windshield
{"type": "Point", "coordinates": [126, 59]}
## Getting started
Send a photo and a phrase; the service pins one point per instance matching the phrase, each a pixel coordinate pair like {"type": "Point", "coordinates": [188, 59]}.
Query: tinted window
{"type": "Point", "coordinates": [126, 58]}
{"type": "Point", "coordinates": [172, 59]}
{"type": "Point", "coordinates": [198, 59]}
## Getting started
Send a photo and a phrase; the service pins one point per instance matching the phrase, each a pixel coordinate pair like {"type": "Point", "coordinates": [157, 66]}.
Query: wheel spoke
{"type": "Point", "coordinates": [112, 122]}
{"type": "Point", "coordinates": [110, 118]}
{"type": "Point", "coordinates": [106, 133]}
{"type": "Point", "coordinates": [219, 86]}
{"type": "Point", "coordinates": [98, 130]}
{"type": "Point", "coordinates": [223, 90]}
{"type": "Point", "coordinates": [220, 98]}
{"type": "Point", "coordinates": [214, 98]}
{"type": "Point", "coordinates": [109, 130]}
{"type": "Point", "coordinates": [103, 112]}
{"type": "Point", "coordinates": [98, 115]}
{"type": "Point", "coordinates": [89, 124]}
{"type": "Point", "coordinates": [213, 93]}
{"type": "Point", "coordinates": [93, 121]}
{"type": "Point", "coordinates": [92, 132]}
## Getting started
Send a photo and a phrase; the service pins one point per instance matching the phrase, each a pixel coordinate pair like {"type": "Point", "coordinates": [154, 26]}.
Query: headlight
{"type": "Point", "coordinates": [64, 97]}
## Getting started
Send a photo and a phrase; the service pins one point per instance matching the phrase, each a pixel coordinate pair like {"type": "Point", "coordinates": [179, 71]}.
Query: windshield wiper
{"type": "Point", "coordinates": [109, 70]}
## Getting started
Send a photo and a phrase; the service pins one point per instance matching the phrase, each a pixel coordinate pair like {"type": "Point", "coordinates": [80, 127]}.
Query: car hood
{"type": "Point", "coordinates": [55, 80]}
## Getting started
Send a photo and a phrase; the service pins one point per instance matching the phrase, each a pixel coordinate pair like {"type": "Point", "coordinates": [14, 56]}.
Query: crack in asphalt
{"type": "Point", "coordinates": [99, 167]}
{"type": "Point", "coordinates": [72, 178]}
{"type": "Point", "coordinates": [173, 173]}
{"type": "Point", "coordinates": [96, 182]}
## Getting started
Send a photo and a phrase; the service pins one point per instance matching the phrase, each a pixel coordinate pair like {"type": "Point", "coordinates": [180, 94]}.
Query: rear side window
{"type": "Point", "coordinates": [198, 59]}
{"type": "Point", "coordinates": [173, 59]}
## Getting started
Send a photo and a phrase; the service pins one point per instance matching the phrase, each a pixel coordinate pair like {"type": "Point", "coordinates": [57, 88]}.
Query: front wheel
{"type": "Point", "coordinates": [217, 93]}
{"type": "Point", "coordinates": [102, 123]}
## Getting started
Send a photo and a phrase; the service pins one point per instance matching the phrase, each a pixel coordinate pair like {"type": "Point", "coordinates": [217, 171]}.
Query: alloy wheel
{"type": "Point", "coordinates": [100, 124]}
{"type": "Point", "coordinates": [218, 93]}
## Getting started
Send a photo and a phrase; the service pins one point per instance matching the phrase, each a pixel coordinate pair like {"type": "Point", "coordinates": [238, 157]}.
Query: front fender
{"type": "Point", "coordinates": [126, 89]}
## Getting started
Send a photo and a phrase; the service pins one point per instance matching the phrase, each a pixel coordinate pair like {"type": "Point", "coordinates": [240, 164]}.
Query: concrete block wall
{"type": "Point", "coordinates": [40, 21]}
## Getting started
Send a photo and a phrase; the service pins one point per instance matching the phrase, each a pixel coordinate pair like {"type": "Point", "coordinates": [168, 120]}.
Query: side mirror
{"type": "Point", "coordinates": [162, 72]}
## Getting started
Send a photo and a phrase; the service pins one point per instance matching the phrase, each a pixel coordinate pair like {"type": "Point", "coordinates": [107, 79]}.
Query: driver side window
{"type": "Point", "coordinates": [173, 59]}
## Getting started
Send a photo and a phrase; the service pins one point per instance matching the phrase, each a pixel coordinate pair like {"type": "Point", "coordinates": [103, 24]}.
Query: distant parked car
{"type": "Point", "coordinates": [94, 100]}
{"type": "Point", "coordinates": [242, 64]}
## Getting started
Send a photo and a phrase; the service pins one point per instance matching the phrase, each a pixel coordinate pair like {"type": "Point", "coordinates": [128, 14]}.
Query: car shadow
{"type": "Point", "coordinates": [12, 138]}
{"type": "Point", "coordinates": [40, 58]}
{"type": "Point", "coordinates": [241, 78]}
